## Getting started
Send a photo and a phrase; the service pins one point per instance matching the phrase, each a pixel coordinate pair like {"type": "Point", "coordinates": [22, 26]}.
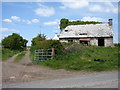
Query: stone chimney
{"type": "Point", "coordinates": [110, 22]}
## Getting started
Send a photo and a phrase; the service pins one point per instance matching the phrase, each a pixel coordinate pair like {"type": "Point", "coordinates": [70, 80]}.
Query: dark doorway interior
{"type": "Point", "coordinates": [100, 41]}
{"type": "Point", "coordinates": [84, 42]}
{"type": "Point", "coordinates": [70, 41]}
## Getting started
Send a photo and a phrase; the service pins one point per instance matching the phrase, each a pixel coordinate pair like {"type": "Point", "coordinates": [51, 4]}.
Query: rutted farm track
{"type": "Point", "coordinates": [26, 71]}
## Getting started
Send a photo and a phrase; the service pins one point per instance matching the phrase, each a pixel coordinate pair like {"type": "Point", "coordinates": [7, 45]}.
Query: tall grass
{"type": "Point", "coordinates": [7, 53]}
{"type": "Point", "coordinates": [78, 57]}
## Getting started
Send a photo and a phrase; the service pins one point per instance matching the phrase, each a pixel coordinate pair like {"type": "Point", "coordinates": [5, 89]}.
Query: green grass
{"type": "Point", "coordinates": [85, 61]}
{"type": "Point", "coordinates": [77, 58]}
{"type": "Point", "coordinates": [20, 56]}
{"type": "Point", "coordinates": [7, 53]}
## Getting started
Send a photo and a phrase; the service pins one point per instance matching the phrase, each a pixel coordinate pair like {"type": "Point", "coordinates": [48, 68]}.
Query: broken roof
{"type": "Point", "coordinates": [88, 30]}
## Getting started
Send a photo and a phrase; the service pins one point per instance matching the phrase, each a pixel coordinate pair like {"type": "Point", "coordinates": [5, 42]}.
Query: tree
{"type": "Point", "coordinates": [37, 39]}
{"type": "Point", "coordinates": [14, 42]}
{"type": "Point", "coordinates": [63, 23]}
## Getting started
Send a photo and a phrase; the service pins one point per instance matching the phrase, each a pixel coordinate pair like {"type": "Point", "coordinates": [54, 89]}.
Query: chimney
{"type": "Point", "coordinates": [110, 22]}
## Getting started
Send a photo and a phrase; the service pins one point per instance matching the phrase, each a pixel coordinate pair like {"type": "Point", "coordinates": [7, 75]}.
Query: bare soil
{"type": "Point", "coordinates": [26, 71]}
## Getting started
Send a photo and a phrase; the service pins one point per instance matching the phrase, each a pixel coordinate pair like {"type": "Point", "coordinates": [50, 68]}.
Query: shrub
{"type": "Point", "coordinates": [74, 48]}
{"type": "Point", "coordinates": [47, 44]}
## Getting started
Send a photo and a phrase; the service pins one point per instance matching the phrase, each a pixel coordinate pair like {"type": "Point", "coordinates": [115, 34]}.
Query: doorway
{"type": "Point", "coordinates": [100, 41]}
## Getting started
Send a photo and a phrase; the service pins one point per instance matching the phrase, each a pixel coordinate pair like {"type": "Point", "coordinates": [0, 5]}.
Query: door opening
{"type": "Point", "coordinates": [100, 41]}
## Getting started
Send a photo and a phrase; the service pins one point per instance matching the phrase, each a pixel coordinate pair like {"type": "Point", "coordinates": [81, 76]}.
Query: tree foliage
{"type": "Point", "coordinates": [14, 42]}
{"type": "Point", "coordinates": [40, 42]}
{"type": "Point", "coordinates": [38, 39]}
{"type": "Point", "coordinates": [65, 22]}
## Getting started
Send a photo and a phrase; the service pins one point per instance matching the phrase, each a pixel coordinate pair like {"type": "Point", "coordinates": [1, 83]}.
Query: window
{"type": "Point", "coordinates": [66, 30]}
{"type": "Point", "coordinates": [70, 40]}
{"type": "Point", "coordinates": [83, 34]}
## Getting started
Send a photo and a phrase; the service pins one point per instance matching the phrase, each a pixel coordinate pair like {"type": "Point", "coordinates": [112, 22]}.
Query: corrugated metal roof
{"type": "Point", "coordinates": [88, 30]}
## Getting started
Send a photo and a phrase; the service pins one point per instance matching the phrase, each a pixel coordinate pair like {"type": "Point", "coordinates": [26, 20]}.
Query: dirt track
{"type": "Point", "coordinates": [25, 71]}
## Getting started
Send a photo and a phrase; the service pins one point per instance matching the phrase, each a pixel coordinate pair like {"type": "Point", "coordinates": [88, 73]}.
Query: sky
{"type": "Point", "coordinates": [31, 18]}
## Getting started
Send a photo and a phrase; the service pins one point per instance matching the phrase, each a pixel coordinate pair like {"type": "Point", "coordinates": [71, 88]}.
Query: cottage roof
{"type": "Point", "coordinates": [88, 30]}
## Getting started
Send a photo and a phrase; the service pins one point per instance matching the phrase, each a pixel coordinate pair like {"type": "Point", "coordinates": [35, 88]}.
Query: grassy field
{"type": "Point", "coordinates": [84, 59]}
{"type": "Point", "coordinates": [7, 53]}
{"type": "Point", "coordinates": [20, 56]}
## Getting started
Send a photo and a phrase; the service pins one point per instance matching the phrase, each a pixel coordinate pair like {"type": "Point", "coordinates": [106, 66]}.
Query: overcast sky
{"type": "Point", "coordinates": [31, 18]}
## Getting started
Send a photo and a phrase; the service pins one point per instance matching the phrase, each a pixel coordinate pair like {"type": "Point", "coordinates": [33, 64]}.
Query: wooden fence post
{"type": "Point", "coordinates": [53, 51]}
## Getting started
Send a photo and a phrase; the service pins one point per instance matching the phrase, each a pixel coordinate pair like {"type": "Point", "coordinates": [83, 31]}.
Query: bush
{"type": "Point", "coordinates": [117, 44]}
{"type": "Point", "coordinates": [74, 48]}
{"type": "Point", "coordinates": [47, 44]}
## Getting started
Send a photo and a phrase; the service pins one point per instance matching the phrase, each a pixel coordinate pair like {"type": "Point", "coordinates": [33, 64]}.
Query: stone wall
{"type": "Point", "coordinates": [66, 40]}
{"type": "Point", "coordinates": [108, 42]}
{"type": "Point", "coordinates": [63, 40]}
{"type": "Point", "coordinates": [94, 41]}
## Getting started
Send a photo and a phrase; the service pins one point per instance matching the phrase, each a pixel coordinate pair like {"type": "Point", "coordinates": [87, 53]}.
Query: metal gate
{"type": "Point", "coordinates": [43, 54]}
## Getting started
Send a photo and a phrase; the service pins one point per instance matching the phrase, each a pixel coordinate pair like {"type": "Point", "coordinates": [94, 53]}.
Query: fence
{"type": "Point", "coordinates": [43, 54]}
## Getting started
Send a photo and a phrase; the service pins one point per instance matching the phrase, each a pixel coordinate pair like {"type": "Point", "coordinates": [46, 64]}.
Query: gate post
{"type": "Point", "coordinates": [53, 52]}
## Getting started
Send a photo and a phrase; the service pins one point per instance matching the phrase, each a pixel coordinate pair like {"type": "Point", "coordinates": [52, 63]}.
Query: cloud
{"type": "Point", "coordinates": [35, 21]}
{"type": "Point", "coordinates": [74, 4]}
{"type": "Point", "coordinates": [96, 8]}
{"type": "Point", "coordinates": [44, 11]}
{"type": "Point", "coordinates": [7, 20]}
{"type": "Point", "coordinates": [56, 22]}
{"type": "Point", "coordinates": [18, 19]}
{"type": "Point", "coordinates": [27, 21]}
{"type": "Point", "coordinates": [30, 21]}
{"type": "Point", "coordinates": [15, 18]}
{"type": "Point", "coordinates": [93, 19]}
{"type": "Point", "coordinates": [8, 30]}
{"type": "Point", "coordinates": [107, 7]}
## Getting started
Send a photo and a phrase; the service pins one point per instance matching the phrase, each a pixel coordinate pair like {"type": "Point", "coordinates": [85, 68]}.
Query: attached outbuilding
{"type": "Point", "coordinates": [89, 34]}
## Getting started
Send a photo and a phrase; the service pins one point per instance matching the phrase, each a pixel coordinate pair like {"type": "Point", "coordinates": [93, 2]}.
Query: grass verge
{"type": "Point", "coordinates": [7, 53]}
{"type": "Point", "coordinates": [20, 56]}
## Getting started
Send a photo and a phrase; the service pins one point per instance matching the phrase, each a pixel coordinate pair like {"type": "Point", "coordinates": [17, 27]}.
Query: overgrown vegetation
{"type": "Point", "coordinates": [7, 53]}
{"type": "Point", "coordinates": [65, 22]}
{"type": "Point", "coordinates": [14, 42]}
{"type": "Point", "coordinates": [75, 56]}
{"type": "Point", "coordinates": [40, 42]}
{"type": "Point", "coordinates": [11, 45]}
{"type": "Point", "coordinates": [20, 56]}
{"type": "Point", "coordinates": [83, 58]}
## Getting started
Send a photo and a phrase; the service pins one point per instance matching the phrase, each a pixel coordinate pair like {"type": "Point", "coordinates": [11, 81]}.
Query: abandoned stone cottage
{"type": "Point", "coordinates": [93, 34]}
